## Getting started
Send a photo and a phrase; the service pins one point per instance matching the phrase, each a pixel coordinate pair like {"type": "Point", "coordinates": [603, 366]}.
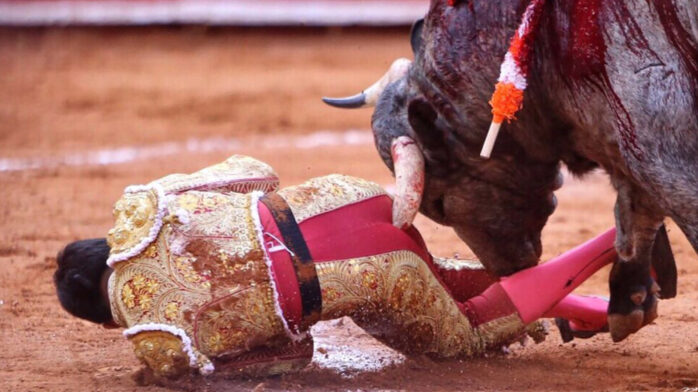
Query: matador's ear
{"type": "Point", "coordinates": [81, 282]}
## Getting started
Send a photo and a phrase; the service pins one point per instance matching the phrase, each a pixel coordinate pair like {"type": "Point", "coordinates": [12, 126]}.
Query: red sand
{"type": "Point", "coordinates": [65, 91]}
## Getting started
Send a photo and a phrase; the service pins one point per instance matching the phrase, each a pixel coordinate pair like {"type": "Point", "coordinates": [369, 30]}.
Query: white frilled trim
{"type": "Point", "coordinates": [182, 216]}
{"type": "Point", "coordinates": [157, 224]}
{"type": "Point", "coordinates": [207, 368]}
{"type": "Point", "coordinates": [511, 73]}
{"type": "Point", "coordinates": [457, 264]}
{"type": "Point", "coordinates": [254, 199]}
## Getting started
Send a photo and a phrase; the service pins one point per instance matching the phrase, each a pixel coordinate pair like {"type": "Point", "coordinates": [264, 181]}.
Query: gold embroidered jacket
{"type": "Point", "coordinates": [192, 280]}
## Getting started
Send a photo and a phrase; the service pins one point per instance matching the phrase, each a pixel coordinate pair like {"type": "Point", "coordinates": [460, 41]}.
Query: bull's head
{"type": "Point", "coordinates": [497, 206]}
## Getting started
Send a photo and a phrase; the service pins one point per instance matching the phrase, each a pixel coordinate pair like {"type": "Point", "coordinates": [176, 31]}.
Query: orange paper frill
{"type": "Point", "coordinates": [505, 102]}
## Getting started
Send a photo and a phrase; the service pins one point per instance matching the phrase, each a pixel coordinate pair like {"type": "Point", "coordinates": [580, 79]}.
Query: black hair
{"type": "Point", "coordinates": [78, 279]}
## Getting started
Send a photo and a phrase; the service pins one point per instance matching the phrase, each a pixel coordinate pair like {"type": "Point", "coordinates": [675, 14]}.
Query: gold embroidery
{"type": "Point", "coordinates": [151, 251]}
{"type": "Point", "coordinates": [504, 329]}
{"type": "Point", "coordinates": [188, 201]}
{"type": "Point", "coordinates": [136, 213]}
{"type": "Point", "coordinates": [139, 291]}
{"type": "Point", "coordinates": [160, 351]}
{"type": "Point", "coordinates": [243, 321]}
{"type": "Point", "coordinates": [171, 311]}
{"type": "Point", "coordinates": [239, 174]}
{"type": "Point", "coordinates": [327, 193]}
{"type": "Point", "coordinates": [204, 273]}
{"type": "Point", "coordinates": [134, 216]}
{"type": "Point", "coordinates": [184, 268]}
{"type": "Point", "coordinates": [206, 277]}
{"type": "Point", "coordinates": [396, 297]}
{"type": "Point", "coordinates": [215, 342]}
{"type": "Point", "coordinates": [128, 297]}
{"type": "Point", "coordinates": [537, 330]}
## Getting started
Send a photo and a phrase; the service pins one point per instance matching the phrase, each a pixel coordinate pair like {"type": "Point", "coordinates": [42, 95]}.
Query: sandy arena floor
{"type": "Point", "coordinates": [83, 113]}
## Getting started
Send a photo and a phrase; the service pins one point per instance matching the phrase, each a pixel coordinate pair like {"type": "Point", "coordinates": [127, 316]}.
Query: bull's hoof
{"type": "Point", "coordinates": [622, 325]}
{"type": "Point", "coordinates": [634, 297]}
{"type": "Point", "coordinates": [627, 315]}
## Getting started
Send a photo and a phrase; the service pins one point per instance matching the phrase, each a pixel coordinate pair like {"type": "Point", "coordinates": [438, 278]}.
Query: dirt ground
{"type": "Point", "coordinates": [152, 101]}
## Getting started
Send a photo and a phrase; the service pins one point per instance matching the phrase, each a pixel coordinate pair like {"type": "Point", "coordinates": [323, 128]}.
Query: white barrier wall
{"type": "Point", "coordinates": [212, 12]}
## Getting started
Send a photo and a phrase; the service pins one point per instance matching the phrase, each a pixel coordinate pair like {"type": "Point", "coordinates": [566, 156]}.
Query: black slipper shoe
{"type": "Point", "coordinates": [568, 334]}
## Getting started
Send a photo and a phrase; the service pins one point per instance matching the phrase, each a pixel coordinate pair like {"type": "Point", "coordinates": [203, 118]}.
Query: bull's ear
{"type": "Point", "coordinates": [423, 120]}
{"type": "Point", "coordinates": [421, 116]}
{"type": "Point", "coordinates": [416, 35]}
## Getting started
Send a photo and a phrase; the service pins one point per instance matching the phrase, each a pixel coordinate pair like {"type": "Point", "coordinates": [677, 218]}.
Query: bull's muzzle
{"type": "Point", "coordinates": [369, 97]}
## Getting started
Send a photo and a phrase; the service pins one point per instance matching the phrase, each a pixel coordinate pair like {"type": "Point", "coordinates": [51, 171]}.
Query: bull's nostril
{"type": "Point", "coordinates": [552, 200]}
{"type": "Point", "coordinates": [534, 248]}
{"type": "Point", "coordinates": [559, 180]}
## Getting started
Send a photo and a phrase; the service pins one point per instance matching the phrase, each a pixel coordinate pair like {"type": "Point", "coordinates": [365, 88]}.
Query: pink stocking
{"type": "Point", "coordinates": [584, 313]}
{"type": "Point", "coordinates": [464, 283]}
{"type": "Point", "coordinates": [535, 292]}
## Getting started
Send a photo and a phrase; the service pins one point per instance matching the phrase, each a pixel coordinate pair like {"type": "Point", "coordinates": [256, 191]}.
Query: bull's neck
{"type": "Point", "coordinates": [459, 69]}
{"type": "Point", "coordinates": [461, 65]}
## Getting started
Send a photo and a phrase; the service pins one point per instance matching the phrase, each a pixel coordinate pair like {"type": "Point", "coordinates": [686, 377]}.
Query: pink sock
{"type": "Point", "coordinates": [535, 291]}
{"type": "Point", "coordinates": [584, 313]}
{"type": "Point", "coordinates": [464, 283]}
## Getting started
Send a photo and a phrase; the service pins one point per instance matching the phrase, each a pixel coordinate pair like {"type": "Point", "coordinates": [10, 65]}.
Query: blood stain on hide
{"type": "Point", "coordinates": [679, 38]}
{"type": "Point", "coordinates": [584, 59]}
{"type": "Point", "coordinates": [584, 55]}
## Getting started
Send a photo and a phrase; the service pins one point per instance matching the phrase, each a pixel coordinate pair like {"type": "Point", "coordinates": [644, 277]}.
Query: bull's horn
{"type": "Point", "coordinates": [369, 97]}
{"type": "Point", "coordinates": [408, 164]}
{"type": "Point", "coordinates": [353, 102]}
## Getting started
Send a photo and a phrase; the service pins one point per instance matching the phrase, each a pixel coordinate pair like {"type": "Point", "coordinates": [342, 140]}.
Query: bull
{"type": "Point", "coordinates": [613, 84]}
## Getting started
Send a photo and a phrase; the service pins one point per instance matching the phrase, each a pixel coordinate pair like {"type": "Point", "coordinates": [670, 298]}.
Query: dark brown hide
{"type": "Point", "coordinates": [612, 84]}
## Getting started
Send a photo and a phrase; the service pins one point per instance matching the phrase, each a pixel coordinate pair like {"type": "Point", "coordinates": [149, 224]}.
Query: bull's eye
{"type": "Point", "coordinates": [438, 206]}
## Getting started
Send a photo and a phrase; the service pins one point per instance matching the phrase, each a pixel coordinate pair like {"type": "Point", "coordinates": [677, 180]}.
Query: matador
{"type": "Point", "coordinates": [222, 270]}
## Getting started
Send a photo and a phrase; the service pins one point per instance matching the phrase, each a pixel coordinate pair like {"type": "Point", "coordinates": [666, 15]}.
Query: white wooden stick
{"type": "Point", "coordinates": [488, 145]}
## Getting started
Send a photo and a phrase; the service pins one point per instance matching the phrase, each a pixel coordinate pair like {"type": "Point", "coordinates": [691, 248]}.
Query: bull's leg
{"type": "Point", "coordinates": [633, 302]}
{"type": "Point", "coordinates": [688, 222]}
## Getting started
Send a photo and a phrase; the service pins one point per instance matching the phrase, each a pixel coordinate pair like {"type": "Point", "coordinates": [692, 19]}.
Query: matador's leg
{"type": "Point", "coordinates": [464, 278]}
{"type": "Point", "coordinates": [397, 298]}
{"type": "Point", "coordinates": [533, 293]}
{"type": "Point", "coordinates": [583, 313]}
